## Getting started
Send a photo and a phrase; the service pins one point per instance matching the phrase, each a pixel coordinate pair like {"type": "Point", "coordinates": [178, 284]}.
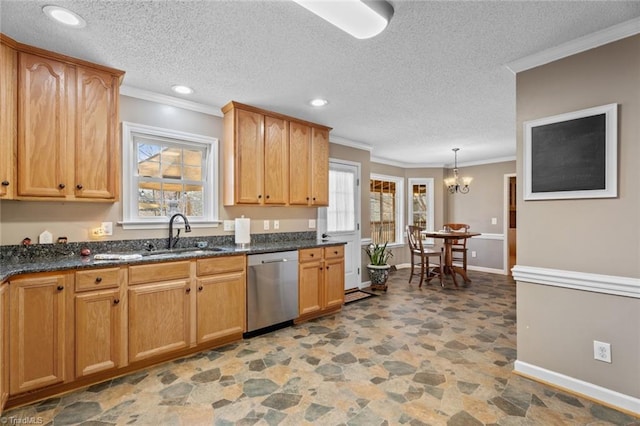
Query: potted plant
{"type": "Point", "coordinates": [378, 267]}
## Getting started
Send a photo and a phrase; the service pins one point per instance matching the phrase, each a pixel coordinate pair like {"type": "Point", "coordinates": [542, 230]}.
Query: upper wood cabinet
{"type": "Point", "coordinates": [66, 126]}
{"type": "Point", "coordinates": [273, 159]}
{"type": "Point", "coordinates": [8, 120]}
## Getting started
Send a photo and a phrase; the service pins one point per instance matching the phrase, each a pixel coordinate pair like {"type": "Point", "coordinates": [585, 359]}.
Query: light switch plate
{"type": "Point", "coordinates": [276, 224]}
{"type": "Point", "coordinates": [107, 228]}
{"type": "Point", "coordinates": [312, 224]}
{"type": "Point", "coordinates": [229, 225]}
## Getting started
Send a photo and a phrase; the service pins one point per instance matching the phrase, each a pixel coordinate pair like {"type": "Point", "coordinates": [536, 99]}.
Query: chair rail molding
{"type": "Point", "coordinates": [598, 283]}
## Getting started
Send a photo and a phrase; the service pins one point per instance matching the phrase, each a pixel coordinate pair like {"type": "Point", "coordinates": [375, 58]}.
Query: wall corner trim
{"type": "Point", "coordinates": [594, 392]}
{"type": "Point", "coordinates": [607, 284]}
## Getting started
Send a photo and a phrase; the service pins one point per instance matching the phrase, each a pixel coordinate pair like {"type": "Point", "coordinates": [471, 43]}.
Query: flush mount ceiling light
{"type": "Point", "coordinates": [183, 90]}
{"type": "Point", "coordinates": [456, 183]}
{"type": "Point", "coordinates": [318, 102]}
{"type": "Point", "coordinates": [360, 18]}
{"type": "Point", "coordinates": [64, 16]}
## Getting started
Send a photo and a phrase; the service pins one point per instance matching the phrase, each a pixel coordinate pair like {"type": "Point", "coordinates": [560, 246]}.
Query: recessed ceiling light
{"type": "Point", "coordinates": [318, 102]}
{"type": "Point", "coordinates": [183, 90]}
{"type": "Point", "coordinates": [64, 16]}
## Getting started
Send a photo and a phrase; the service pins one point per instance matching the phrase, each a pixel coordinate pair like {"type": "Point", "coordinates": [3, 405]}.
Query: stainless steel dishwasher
{"type": "Point", "coordinates": [272, 291]}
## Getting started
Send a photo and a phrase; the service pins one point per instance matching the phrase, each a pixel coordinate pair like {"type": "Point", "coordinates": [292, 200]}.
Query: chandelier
{"type": "Point", "coordinates": [456, 183]}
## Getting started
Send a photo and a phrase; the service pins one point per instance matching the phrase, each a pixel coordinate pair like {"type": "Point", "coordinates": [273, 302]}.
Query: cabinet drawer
{"type": "Point", "coordinates": [97, 279]}
{"type": "Point", "coordinates": [307, 255]}
{"type": "Point", "coordinates": [220, 265]}
{"type": "Point", "coordinates": [333, 252]}
{"type": "Point", "coordinates": [155, 272]}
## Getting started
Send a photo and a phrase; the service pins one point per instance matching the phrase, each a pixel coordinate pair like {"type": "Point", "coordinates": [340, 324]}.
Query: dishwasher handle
{"type": "Point", "coordinates": [275, 261]}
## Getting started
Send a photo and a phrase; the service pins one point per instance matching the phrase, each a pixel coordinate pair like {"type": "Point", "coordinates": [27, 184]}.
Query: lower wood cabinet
{"type": "Point", "coordinates": [4, 344]}
{"type": "Point", "coordinates": [41, 331]}
{"type": "Point", "coordinates": [320, 281]}
{"type": "Point", "coordinates": [220, 298]}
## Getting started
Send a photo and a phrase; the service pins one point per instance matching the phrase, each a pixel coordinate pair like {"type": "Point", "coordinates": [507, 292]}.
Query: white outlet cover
{"type": "Point", "coordinates": [602, 351]}
{"type": "Point", "coordinates": [229, 225]}
{"type": "Point", "coordinates": [107, 228]}
{"type": "Point", "coordinates": [276, 224]}
{"type": "Point", "coordinates": [312, 224]}
{"type": "Point", "coordinates": [494, 220]}
{"type": "Point", "coordinates": [266, 225]}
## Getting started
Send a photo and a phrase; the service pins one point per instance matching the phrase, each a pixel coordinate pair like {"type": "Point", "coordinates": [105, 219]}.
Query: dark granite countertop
{"type": "Point", "coordinates": [22, 260]}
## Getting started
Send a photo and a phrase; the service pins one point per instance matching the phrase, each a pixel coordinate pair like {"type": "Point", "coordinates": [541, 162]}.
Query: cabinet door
{"type": "Point", "coordinates": [221, 302]}
{"type": "Point", "coordinates": [158, 318]}
{"type": "Point", "coordinates": [310, 287]}
{"type": "Point", "coordinates": [4, 344]}
{"type": "Point", "coordinates": [320, 167]}
{"type": "Point", "coordinates": [8, 120]}
{"type": "Point", "coordinates": [97, 153]}
{"type": "Point", "coordinates": [333, 283]}
{"type": "Point", "coordinates": [276, 161]}
{"type": "Point", "coordinates": [37, 332]}
{"type": "Point", "coordinates": [299, 165]}
{"type": "Point", "coordinates": [249, 157]}
{"type": "Point", "coordinates": [98, 321]}
{"type": "Point", "coordinates": [42, 127]}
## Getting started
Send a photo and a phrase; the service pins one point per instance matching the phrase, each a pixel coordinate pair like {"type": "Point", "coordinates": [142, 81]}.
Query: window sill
{"type": "Point", "coordinates": [165, 224]}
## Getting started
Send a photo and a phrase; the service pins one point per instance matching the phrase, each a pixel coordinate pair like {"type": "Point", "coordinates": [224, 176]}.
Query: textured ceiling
{"type": "Point", "coordinates": [433, 80]}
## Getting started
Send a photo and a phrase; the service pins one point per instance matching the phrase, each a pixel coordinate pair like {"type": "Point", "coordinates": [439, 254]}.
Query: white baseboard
{"type": "Point", "coordinates": [471, 267]}
{"type": "Point", "coordinates": [589, 390]}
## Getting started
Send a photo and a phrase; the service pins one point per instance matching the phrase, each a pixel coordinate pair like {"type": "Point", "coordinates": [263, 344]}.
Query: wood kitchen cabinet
{"type": "Point", "coordinates": [320, 281]}
{"type": "Point", "coordinates": [273, 159]}
{"type": "Point", "coordinates": [255, 157]}
{"type": "Point", "coordinates": [40, 331]}
{"type": "Point", "coordinates": [159, 309]}
{"type": "Point", "coordinates": [66, 126]}
{"type": "Point", "coordinates": [220, 299]}
{"type": "Point", "coordinates": [8, 119]}
{"type": "Point", "coordinates": [4, 344]}
{"type": "Point", "coordinates": [99, 320]}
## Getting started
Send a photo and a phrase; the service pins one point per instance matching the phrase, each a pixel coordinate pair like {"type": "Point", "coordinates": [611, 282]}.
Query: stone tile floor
{"type": "Point", "coordinates": [429, 356]}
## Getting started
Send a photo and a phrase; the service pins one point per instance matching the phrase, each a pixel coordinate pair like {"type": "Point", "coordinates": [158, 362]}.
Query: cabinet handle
{"type": "Point", "coordinates": [5, 183]}
{"type": "Point", "coordinates": [188, 290]}
{"type": "Point", "coordinates": [200, 288]}
{"type": "Point", "coordinates": [60, 287]}
{"type": "Point", "coordinates": [79, 186]}
{"type": "Point", "coordinates": [98, 280]}
{"type": "Point", "coordinates": [116, 301]}
{"type": "Point", "coordinates": [62, 186]}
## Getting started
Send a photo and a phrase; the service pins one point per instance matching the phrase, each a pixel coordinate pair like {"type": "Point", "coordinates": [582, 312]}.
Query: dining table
{"type": "Point", "coordinates": [449, 237]}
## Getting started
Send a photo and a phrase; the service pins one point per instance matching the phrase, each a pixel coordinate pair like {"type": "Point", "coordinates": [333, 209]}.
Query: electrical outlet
{"type": "Point", "coordinates": [474, 254]}
{"type": "Point", "coordinates": [276, 224]}
{"type": "Point", "coordinates": [97, 232]}
{"type": "Point", "coordinates": [229, 225]}
{"type": "Point", "coordinates": [494, 220]}
{"type": "Point", "coordinates": [107, 228]}
{"type": "Point", "coordinates": [312, 224]}
{"type": "Point", "coordinates": [602, 351]}
{"type": "Point", "coordinates": [266, 225]}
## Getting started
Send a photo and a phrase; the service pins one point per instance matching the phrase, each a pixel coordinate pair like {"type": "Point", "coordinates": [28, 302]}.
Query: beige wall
{"type": "Point", "coordinates": [556, 327]}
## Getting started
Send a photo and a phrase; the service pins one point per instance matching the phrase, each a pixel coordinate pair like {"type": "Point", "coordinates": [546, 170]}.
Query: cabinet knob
{"type": "Point", "coordinates": [314, 198]}
{"type": "Point", "coordinates": [267, 197]}
{"type": "Point", "coordinates": [327, 267]}
{"type": "Point", "coordinates": [116, 301]}
{"type": "Point", "coordinates": [98, 280]}
{"type": "Point", "coordinates": [310, 254]}
{"type": "Point", "coordinates": [200, 288]}
{"type": "Point", "coordinates": [60, 287]}
{"type": "Point", "coordinates": [259, 196]}
{"type": "Point", "coordinates": [335, 252]}
{"type": "Point", "coordinates": [79, 186]}
{"type": "Point", "coordinates": [307, 198]}
{"type": "Point", "coordinates": [188, 290]}
{"type": "Point", "coordinates": [5, 183]}
{"type": "Point", "coordinates": [62, 186]}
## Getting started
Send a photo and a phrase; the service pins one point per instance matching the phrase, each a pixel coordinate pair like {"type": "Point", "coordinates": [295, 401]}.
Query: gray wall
{"type": "Point", "coordinates": [557, 326]}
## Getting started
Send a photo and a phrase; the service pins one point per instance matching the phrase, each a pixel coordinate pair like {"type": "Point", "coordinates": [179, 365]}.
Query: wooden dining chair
{"type": "Point", "coordinates": [459, 247]}
{"type": "Point", "coordinates": [421, 258]}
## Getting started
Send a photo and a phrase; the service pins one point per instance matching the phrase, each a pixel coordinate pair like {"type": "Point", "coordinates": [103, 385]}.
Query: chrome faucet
{"type": "Point", "coordinates": [187, 228]}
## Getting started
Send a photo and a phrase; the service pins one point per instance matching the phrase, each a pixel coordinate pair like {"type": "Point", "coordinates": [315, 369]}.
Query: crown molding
{"type": "Point", "coordinates": [405, 165]}
{"type": "Point", "coordinates": [350, 143]}
{"type": "Point", "coordinates": [482, 162]}
{"type": "Point", "coordinates": [589, 41]}
{"type": "Point", "coordinates": [146, 95]}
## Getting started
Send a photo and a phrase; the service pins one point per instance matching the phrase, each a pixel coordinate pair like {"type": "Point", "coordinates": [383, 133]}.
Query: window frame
{"type": "Point", "coordinates": [130, 217]}
{"type": "Point", "coordinates": [399, 202]}
{"type": "Point", "coordinates": [430, 184]}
